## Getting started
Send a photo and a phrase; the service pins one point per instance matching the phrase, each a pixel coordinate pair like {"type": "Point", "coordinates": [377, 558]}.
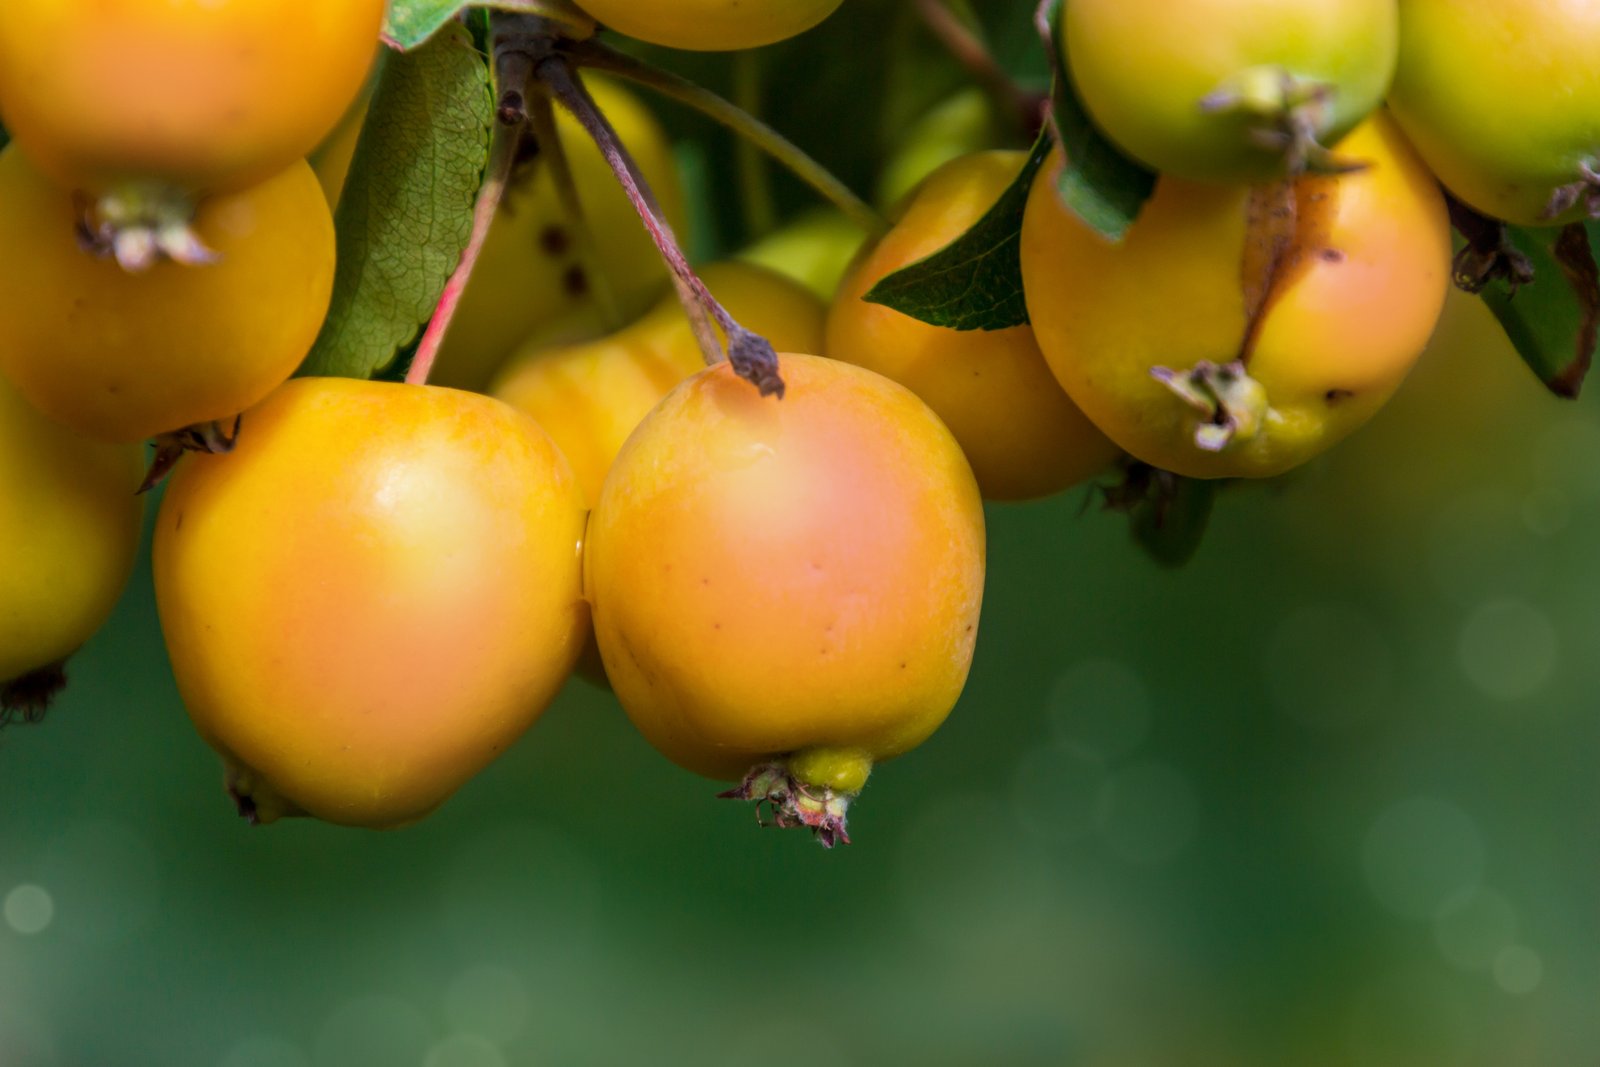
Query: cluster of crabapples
{"type": "Point", "coordinates": [369, 590]}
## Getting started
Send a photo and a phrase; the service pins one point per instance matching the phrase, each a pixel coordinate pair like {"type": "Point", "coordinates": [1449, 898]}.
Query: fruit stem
{"type": "Point", "coordinates": [512, 74]}
{"type": "Point", "coordinates": [601, 57]}
{"type": "Point", "coordinates": [755, 183]}
{"type": "Point", "coordinates": [752, 356]}
{"type": "Point", "coordinates": [1017, 107]}
{"type": "Point", "coordinates": [541, 114]}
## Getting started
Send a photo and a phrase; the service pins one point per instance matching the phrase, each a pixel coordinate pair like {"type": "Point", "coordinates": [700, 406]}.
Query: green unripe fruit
{"type": "Point", "coordinates": [1502, 100]}
{"type": "Point", "coordinates": [1229, 90]}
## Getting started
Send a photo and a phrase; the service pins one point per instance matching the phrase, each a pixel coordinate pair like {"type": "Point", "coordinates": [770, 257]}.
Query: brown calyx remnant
{"type": "Point", "coordinates": [1488, 254]}
{"type": "Point", "coordinates": [782, 800]}
{"type": "Point", "coordinates": [140, 226]}
{"type": "Point", "coordinates": [26, 699]}
{"type": "Point", "coordinates": [212, 438]}
{"type": "Point", "coordinates": [1585, 190]}
{"type": "Point", "coordinates": [1289, 117]}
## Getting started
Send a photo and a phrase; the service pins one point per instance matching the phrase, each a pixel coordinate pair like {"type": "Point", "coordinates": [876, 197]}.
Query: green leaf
{"type": "Point", "coordinates": [411, 22]}
{"type": "Point", "coordinates": [406, 212]}
{"type": "Point", "coordinates": [1552, 320]}
{"type": "Point", "coordinates": [975, 282]}
{"type": "Point", "coordinates": [1102, 186]}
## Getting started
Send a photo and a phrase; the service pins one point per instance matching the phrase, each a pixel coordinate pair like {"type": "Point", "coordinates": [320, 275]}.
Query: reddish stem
{"type": "Point", "coordinates": [502, 157]}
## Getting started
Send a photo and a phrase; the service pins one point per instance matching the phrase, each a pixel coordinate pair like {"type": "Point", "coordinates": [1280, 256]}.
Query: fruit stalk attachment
{"type": "Point", "coordinates": [751, 355]}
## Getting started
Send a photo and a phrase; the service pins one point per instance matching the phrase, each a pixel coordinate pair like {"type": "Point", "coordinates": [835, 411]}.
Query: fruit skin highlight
{"type": "Point", "coordinates": [70, 522]}
{"type": "Point", "coordinates": [1502, 101]}
{"type": "Point", "coordinates": [589, 396]}
{"type": "Point", "coordinates": [711, 25]}
{"type": "Point", "coordinates": [1023, 435]}
{"type": "Point", "coordinates": [1145, 69]}
{"type": "Point", "coordinates": [795, 579]}
{"type": "Point", "coordinates": [1353, 306]}
{"type": "Point", "coordinates": [122, 356]}
{"type": "Point", "coordinates": [371, 597]}
{"type": "Point", "coordinates": [200, 96]}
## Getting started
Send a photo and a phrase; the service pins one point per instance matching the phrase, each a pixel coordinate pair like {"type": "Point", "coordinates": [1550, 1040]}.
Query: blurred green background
{"type": "Point", "coordinates": [1326, 797]}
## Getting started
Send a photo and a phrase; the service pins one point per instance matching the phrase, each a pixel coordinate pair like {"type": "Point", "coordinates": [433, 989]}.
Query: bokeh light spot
{"type": "Point", "coordinates": [1100, 707]}
{"type": "Point", "coordinates": [1518, 969]}
{"type": "Point", "coordinates": [488, 1000]}
{"type": "Point", "coordinates": [1419, 854]}
{"type": "Point", "coordinates": [105, 879]}
{"type": "Point", "coordinates": [1546, 512]}
{"type": "Point", "coordinates": [262, 1050]}
{"type": "Point", "coordinates": [29, 909]}
{"type": "Point", "coordinates": [465, 1050]}
{"type": "Point", "coordinates": [1508, 649]}
{"type": "Point", "coordinates": [373, 1031]}
{"type": "Point", "coordinates": [1472, 927]}
{"type": "Point", "coordinates": [1054, 791]}
{"type": "Point", "coordinates": [1148, 813]}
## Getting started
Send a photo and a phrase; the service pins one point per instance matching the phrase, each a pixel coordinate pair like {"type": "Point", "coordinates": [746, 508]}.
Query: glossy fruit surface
{"type": "Point", "coordinates": [790, 576]}
{"type": "Point", "coordinates": [371, 597]}
{"type": "Point", "coordinates": [203, 95]}
{"type": "Point", "coordinates": [124, 356]}
{"type": "Point", "coordinates": [530, 271]}
{"type": "Point", "coordinates": [1502, 99]}
{"type": "Point", "coordinates": [711, 25]}
{"type": "Point", "coordinates": [1143, 68]}
{"type": "Point", "coordinates": [1352, 303]}
{"type": "Point", "coordinates": [589, 396]}
{"type": "Point", "coordinates": [69, 527]}
{"type": "Point", "coordinates": [1021, 432]}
